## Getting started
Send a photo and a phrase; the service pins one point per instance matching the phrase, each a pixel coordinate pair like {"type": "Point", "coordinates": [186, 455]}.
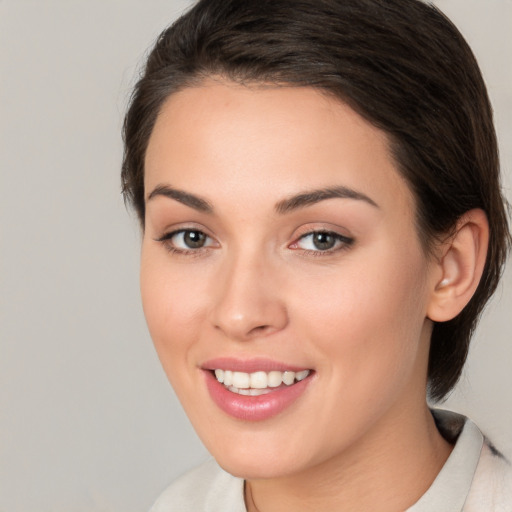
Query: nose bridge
{"type": "Point", "coordinates": [247, 303]}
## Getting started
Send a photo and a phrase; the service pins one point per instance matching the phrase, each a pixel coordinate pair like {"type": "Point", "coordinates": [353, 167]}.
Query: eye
{"type": "Point", "coordinates": [322, 241]}
{"type": "Point", "coordinates": [184, 240]}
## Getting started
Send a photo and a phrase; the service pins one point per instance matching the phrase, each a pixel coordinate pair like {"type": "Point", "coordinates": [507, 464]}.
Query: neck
{"type": "Point", "coordinates": [404, 452]}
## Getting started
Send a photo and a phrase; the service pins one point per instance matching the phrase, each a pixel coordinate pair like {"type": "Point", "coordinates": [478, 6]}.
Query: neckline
{"type": "Point", "coordinates": [450, 489]}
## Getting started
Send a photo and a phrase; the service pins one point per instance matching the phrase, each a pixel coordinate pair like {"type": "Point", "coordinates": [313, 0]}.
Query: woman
{"type": "Point", "coordinates": [318, 187]}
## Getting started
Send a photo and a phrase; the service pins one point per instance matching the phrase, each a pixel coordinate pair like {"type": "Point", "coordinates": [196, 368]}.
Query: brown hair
{"type": "Point", "coordinates": [401, 64]}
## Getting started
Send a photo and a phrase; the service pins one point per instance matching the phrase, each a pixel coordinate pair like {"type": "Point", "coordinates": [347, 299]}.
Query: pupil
{"type": "Point", "coordinates": [194, 239]}
{"type": "Point", "coordinates": [323, 241]}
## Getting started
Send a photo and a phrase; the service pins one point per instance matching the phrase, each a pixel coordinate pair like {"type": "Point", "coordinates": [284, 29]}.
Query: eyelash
{"type": "Point", "coordinates": [167, 238]}
{"type": "Point", "coordinates": [343, 243]}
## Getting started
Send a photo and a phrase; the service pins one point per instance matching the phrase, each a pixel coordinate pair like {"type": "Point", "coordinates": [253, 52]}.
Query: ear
{"type": "Point", "coordinates": [459, 267]}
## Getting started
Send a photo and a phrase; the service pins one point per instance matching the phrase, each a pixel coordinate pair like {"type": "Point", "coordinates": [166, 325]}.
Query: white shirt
{"type": "Point", "coordinates": [475, 478]}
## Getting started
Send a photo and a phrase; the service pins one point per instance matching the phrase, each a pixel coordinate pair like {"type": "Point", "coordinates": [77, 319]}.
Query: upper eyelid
{"type": "Point", "coordinates": [310, 230]}
{"type": "Point", "coordinates": [168, 232]}
{"type": "Point", "coordinates": [166, 241]}
{"type": "Point", "coordinates": [337, 235]}
{"type": "Point", "coordinates": [343, 242]}
{"type": "Point", "coordinates": [325, 231]}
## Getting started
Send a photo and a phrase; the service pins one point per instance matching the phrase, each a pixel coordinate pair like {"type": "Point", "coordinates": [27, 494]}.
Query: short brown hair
{"type": "Point", "coordinates": [401, 64]}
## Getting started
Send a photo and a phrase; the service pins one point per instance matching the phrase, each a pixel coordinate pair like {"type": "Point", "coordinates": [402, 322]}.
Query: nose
{"type": "Point", "coordinates": [248, 303]}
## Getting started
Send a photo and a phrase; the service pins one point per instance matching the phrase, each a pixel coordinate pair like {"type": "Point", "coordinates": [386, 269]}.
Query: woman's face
{"type": "Point", "coordinates": [280, 249]}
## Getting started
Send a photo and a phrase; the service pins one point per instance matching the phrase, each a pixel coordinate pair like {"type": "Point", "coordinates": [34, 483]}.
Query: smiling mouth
{"type": "Point", "coordinates": [259, 382]}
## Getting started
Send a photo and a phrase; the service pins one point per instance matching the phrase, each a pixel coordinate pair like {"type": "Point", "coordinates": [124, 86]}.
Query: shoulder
{"type": "Point", "coordinates": [476, 477]}
{"type": "Point", "coordinates": [204, 489]}
{"type": "Point", "coordinates": [492, 483]}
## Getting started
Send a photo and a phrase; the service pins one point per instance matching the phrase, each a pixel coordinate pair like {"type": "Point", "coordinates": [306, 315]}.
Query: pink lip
{"type": "Point", "coordinates": [253, 408]}
{"type": "Point", "coordinates": [249, 365]}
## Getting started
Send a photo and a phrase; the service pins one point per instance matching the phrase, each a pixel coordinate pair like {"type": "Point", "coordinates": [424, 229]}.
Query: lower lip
{"type": "Point", "coordinates": [254, 408]}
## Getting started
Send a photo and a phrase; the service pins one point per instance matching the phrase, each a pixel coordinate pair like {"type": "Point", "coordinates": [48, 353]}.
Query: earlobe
{"type": "Point", "coordinates": [460, 266]}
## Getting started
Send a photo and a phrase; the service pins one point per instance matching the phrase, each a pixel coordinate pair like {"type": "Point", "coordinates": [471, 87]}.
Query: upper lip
{"type": "Point", "coordinates": [250, 365]}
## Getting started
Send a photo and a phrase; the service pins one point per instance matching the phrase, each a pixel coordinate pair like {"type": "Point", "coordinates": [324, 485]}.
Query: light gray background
{"type": "Point", "coordinates": [87, 419]}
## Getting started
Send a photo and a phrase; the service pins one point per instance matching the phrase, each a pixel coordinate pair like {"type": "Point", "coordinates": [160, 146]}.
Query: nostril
{"type": "Point", "coordinates": [260, 329]}
{"type": "Point", "coordinates": [244, 317]}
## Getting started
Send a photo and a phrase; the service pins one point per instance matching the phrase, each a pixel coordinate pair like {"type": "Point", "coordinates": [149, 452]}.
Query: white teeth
{"type": "Point", "coordinates": [241, 380]}
{"type": "Point", "coordinates": [228, 378]}
{"type": "Point", "coordinates": [249, 392]}
{"type": "Point", "coordinates": [257, 383]}
{"type": "Point", "coordinates": [259, 380]}
{"type": "Point", "coordinates": [302, 375]}
{"type": "Point", "coordinates": [274, 379]}
{"type": "Point", "coordinates": [289, 378]}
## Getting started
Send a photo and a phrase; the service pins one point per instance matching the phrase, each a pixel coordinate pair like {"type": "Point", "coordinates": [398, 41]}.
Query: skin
{"type": "Point", "coordinates": [357, 315]}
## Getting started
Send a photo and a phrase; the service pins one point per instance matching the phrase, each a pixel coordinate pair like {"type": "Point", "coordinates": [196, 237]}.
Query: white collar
{"type": "Point", "coordinates": [450, 489]}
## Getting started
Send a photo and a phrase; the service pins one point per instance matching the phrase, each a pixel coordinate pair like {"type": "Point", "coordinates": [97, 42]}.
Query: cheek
{"type": "Point", "coordinates": [369, 315]}
{"type": "Point", "coordinates": [173, 304]}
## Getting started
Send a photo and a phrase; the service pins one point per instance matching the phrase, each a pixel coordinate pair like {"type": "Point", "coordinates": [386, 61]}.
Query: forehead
{"type": "Point", "coordinates": [265, 141]}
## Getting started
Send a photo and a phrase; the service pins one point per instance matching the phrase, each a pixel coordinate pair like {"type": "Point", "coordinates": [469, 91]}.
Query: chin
{"type": "Point", "coordinates": [254, 469]}
{"type": "Point", "coordinates": [259, 458]}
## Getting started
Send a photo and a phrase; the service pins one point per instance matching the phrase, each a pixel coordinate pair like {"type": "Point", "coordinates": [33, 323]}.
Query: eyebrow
{"type": "Point", "coordinates": [311, 197]}
{"type": "Point", "coordinates": [287, 205]}
{"type": "Point", "coordinates": [191, 200]}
